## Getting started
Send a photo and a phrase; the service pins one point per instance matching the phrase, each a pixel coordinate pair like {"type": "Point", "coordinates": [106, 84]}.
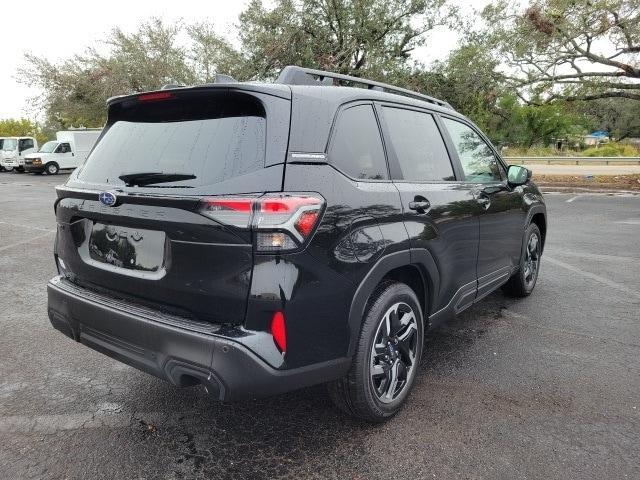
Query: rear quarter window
{"type": "Point", "coordinates": [356, 146]}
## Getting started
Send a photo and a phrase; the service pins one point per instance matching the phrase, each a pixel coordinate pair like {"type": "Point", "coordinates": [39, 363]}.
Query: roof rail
{"type": "Point", "coordinates": [293, 75]}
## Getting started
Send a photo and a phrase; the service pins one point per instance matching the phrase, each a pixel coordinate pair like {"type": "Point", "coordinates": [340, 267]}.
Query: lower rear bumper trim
{"type": "Point", "coordinates": [228, 369]}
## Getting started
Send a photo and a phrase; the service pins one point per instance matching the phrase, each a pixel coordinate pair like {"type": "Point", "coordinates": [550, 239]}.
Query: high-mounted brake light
{"type": "Point", "coordinates": [282, 221]}
{"type": "Point", "coordinates": [279, 331]}
{"type": "Point", "coordinates": [155, 97]}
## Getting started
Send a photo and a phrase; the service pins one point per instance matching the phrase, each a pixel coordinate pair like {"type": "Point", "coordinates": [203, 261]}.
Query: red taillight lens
{"type": "Point", "coordinates": [286, 204]}
{"type": "Point", "coordinates": [155, 97]}
{"type": "Point", "coordinates": [306, 222]}
{"type": "Point", "coordinates": [230, 211]}
{"type": "Point", "coordinates": [279, 331]}
{"type": "Point", "coordinates": [283, 222]}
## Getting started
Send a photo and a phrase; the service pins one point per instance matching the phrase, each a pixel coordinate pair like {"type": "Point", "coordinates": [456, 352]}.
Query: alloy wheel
{"type": "Point", "coordinates": [393, 354]}
{"type": "Point", "coordinates": [532, 260]}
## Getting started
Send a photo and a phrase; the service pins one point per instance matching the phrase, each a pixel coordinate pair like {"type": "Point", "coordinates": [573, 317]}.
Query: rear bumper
{"type": "Point", "coordinates": [180, 351]}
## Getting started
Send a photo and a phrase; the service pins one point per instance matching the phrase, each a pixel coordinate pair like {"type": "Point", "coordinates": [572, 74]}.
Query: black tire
{"type": "Point", "coordinates": [52, 168]}
{"type": "Point", "coordinates": [522, 283]}
{"type": "Point", "coordinates": [357, 393]}
{"type": "Point", "coordinates": [19, 169]}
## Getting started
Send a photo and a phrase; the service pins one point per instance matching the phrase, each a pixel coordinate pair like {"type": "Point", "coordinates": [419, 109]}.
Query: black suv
{"type": "Point", "coordinates": [261, 237]}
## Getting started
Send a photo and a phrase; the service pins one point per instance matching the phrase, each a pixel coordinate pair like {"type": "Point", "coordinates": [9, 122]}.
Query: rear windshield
{"type": "Point", "coordinates": [213, 137]}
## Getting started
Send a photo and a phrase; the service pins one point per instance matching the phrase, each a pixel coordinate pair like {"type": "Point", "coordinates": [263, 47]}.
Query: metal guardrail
{"type": "Point", "coordinates": [577, 160]}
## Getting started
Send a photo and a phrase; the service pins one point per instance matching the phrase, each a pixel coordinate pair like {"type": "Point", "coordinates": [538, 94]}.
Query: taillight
{"type": "Point", "coordinates": [279, 331]}
{"type": "Point", "coordinates": [282, 222]}
{"type": "Point", "coordinates": [230, 211]}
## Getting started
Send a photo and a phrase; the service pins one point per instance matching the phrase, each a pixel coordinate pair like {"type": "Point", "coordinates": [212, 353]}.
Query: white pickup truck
{"type": "Point", "coordinates": [68, 150]}
{"type": "Point", "coordinates": [14, 150]}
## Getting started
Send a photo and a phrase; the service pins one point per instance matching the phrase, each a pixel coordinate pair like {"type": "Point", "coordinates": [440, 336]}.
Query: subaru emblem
{"type": "Point", "coordinates": [107, 198]}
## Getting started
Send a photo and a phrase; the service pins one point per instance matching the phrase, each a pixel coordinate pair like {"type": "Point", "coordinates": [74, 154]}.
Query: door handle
{"type": "Point", "coordinates": [420, 204]}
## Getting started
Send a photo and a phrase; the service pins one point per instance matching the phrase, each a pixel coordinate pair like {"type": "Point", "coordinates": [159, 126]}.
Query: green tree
{"type": "Point", "coordinates": [22, 128]}
{"type": "Point", "coordinates": [346, 36]}
{"type": "Point", "coordinates": [469, 79]}
{"type": "Point", "coordinates": [568, 49]}
{"type": "Point", "coordinates": [529, 125]}
{"type": "Point", "coordinates": [208, 53]}
{"type": "Point", "coordinates": [75, 91]}
{"type": "Point", "coordinates": [620, 117]}
{"type": "Point", "coordinates": [466, 80]}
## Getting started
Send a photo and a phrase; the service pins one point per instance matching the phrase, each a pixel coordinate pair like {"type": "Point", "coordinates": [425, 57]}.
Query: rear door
{"type": "Point", "coordinates": [440, 213]}
{"type": "Point", "coordinates": [503, 216]}
{"type": "Point", "coordinates": [150, 242]}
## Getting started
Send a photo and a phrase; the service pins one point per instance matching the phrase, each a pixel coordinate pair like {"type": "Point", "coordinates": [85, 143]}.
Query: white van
{"type": "Point", "coordinates": [1, 143]}
{"type": "Point", "coordinates": [14, 150]}
{"type": "Point", "coordinates": [68, 150]}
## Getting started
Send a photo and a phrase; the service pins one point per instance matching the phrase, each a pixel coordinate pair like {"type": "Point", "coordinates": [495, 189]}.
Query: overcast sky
{"type": "Point", "coordinates": [58, 29]}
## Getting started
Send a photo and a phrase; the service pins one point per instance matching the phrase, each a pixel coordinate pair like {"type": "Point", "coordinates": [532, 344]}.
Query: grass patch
{"type": "Point", "coordinates": [614, 182]}
{"type": "Point", "coordinates": [606, 150]}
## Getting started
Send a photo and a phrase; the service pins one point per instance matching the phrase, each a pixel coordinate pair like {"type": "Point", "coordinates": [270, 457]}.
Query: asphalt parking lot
{"type": "Point", "coordinates": [545, 387]}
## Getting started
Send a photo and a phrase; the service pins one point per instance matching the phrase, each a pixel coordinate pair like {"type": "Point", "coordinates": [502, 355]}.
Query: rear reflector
{"type": "Point", "coordinates": [283, 222]}
{"type": "Point", "coordinates": [279, 331]}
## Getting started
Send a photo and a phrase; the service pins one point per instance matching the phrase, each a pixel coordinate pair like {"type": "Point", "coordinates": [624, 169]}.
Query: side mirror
{"type": "Point", "coordinates": [518, 175]}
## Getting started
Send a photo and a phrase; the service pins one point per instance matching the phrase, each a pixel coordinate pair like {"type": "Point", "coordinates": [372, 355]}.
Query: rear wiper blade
{"type": "Point", "coordinates": [141, 179]}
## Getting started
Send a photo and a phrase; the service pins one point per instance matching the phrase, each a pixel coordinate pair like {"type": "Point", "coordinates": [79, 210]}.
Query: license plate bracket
{"type": "Point", "coordinates": [126, 248]}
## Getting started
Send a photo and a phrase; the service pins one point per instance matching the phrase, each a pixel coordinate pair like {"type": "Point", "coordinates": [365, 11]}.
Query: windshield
{"type": "Point", "coordinates": [10, 144]}
{"type": "Point", "coordinates": [48, 147]}
{"type": "Point", "coordinates": [228, 143]}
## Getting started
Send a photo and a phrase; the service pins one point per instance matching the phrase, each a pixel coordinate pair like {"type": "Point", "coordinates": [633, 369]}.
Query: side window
{"type": "Point", "coordinates": [25, 143]}
{"type": "Point", "coordinates": [478, 161]}
{"type": "Point", "coordinates": [356, 146]}
{"type": "Point", "coordinates": [63, 148]}
{"type": "Point", "coordinates": [418, 144]}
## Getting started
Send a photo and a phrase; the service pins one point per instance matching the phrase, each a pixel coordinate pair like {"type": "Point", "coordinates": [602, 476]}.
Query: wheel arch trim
{"type": "Point", "coordinates": [420, 259]}
{"type": "Point", "coordinates": [534, 210]}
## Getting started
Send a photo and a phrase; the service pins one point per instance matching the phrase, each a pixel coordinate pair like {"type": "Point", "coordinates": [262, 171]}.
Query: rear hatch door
{"type": "Point", "coordinates": [128, 219]}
